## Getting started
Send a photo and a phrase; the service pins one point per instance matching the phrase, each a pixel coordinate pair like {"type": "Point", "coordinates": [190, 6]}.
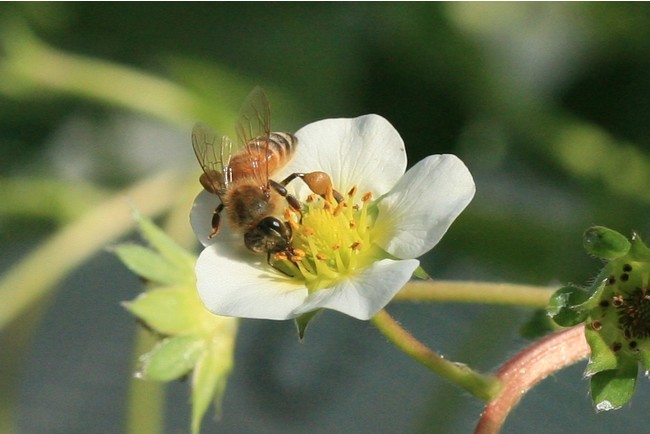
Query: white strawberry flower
{"type": "Point", "coordinates": [358, 254]}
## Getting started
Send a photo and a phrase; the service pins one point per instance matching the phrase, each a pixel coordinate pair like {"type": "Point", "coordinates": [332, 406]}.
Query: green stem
{"type": "Point", "coordinates": [479, 385]}
{"type": "Point", "coordinates": [38, 273]}
{"type": "Point", "coordinates": [475, 292]}
{"type": "Point", "coordinates": [146, 399]}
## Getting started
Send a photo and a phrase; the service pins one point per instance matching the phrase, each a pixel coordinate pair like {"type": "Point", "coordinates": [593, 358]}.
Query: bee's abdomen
{"type": "Point", "coordinates": [259, 158]}
{"type": "Point", "coordinates": [281, 149]}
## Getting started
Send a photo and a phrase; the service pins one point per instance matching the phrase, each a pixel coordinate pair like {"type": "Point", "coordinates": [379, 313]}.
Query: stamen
{"type": "Point", "coordinates": [308, 231]}
{"type": "Point", "coordinates": [327, 224]}
{"type": "Point", "coordinates": [280, 256]}
{"type": "Point", "coordinates": [329, 194]}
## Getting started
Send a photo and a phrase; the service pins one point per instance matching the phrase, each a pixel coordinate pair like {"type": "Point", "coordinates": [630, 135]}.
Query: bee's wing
{"type": "Point", "coordinates": [253, 131]}
{"type": "Point", "coordinates": [213, 151]}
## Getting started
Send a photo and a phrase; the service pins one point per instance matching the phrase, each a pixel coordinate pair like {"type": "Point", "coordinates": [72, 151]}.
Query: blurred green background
{"type": "Point", "coordinates": [547, 104]}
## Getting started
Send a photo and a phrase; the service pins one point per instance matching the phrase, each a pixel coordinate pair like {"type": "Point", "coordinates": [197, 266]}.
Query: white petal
{"type": "Point", "coordinates": [365, 293]}
{"type": "Point", "coordinates": [415, 215]}
{"type": "Point", "coordinates": [232, 282]}
{"type": "Point", "coordinates": [366, 151]}
{"type": "Point", "coordinates": [201, 220]}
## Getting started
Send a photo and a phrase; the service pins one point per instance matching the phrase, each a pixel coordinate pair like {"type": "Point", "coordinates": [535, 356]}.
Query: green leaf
{"type": "Point", "coordinates": [209, 381]}
{"type": "Point", "coordinates": [169, 311]}
{"type": "Point", "coordinates": [602, 357]}
{"type": "Point", "coordinates": [564, 306]}
{"type": "Point", "coordinates": [150, 265]}
{"type": "Point", "coordinates": [612, 389]}
{"type": "Point", "coordinates": [172, 358]}
{"type": "Point", "coordinates": [303, 321]}
{"type": "Point", "coordinates": [605, 243]}
{"type": "Point", "coordinates": [167, 247]}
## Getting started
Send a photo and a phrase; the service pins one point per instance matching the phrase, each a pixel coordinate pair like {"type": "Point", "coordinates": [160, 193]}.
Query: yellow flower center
{"type": "Point", "coordinates": [332, 240]}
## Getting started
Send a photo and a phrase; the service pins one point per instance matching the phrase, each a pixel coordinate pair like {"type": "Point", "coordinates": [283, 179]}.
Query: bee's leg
{"type": "Point", "coordinates": [318, 182]}
{"type": "Point", "coordinates": [268, 260]}
{"type": "Point", "coordinates": [293, 202]}
{"type": "Point", "coordinates": [216, 220]}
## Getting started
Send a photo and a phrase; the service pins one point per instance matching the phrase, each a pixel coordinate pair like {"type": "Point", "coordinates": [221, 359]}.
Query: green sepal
{"type": "Point", "coordinates": [639, 251]}
{"type": "Point", "coordinates": [419, 273]}
{"type": "Point", "coordinates": [209, 382]}
{"type": "Point", "coordinates": [597, 290]}
{"type": "Point", "coordinates": [538, 325]}
{"type": "Point", "coordinates": [150, 265]}
{"type": "Point", "coordinates": [602, 357]}
{"type": "Point", "coordinates": [605, 243]}
{"type": "Point", "coordinates": [303, 321]}
{"type": "Point", "coordinates": [171, 358]}
{"type": "Point", "coordinates": [169, 311]}
{"type": "Point", "coordinates": [565, 308]}
{"type": "Point", "coordinates": [614, 388]}
{"type": "Point", "coordinates": [162, 243]}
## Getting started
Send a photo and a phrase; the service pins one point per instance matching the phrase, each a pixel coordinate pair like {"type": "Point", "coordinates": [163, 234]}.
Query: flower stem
{"type": "Point", "coordinates": [479, 385]}
{"type": "Point", "coordinates": [475, 292]}
{"type": "Point", "coordinates": [528, 368]}
{"type": "Point", "coordinates": [146, 399]}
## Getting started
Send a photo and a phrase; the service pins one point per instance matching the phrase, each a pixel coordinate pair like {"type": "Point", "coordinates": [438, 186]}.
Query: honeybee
{"type": "Point", "coordinates": [240, 175]}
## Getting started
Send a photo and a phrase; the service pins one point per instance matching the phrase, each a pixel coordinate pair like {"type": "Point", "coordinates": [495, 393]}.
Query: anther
{"type": "Point", "coordinates": [308, 230]}
{"type": "Point", "coordinates": [338, 208]}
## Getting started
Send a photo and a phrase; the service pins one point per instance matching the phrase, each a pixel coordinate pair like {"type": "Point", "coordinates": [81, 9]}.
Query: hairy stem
{"type": "Point", "coordinates": [479, 385]}
{"type": "Point", "coordinates": [528, 368]}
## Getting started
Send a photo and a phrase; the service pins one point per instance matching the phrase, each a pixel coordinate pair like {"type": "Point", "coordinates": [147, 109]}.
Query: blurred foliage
{"type": "Point", "coordinates": [547, 103]}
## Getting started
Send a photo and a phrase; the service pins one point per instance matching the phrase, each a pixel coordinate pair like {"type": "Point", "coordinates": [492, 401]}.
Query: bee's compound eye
{"type": "Point", "coordinates": [270, 235]}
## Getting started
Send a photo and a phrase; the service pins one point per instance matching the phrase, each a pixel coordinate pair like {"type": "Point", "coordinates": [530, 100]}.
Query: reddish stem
{"type": "Point", "coordinates": [528, 368]}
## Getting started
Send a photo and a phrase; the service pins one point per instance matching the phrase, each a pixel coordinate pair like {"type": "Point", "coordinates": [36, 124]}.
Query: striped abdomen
{"type": "Point", "coordinates": [254, 159]}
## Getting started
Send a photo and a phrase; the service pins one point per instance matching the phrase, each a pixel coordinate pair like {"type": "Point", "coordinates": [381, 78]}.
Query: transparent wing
{"type": "Point", "coordinates": [253, 131]}
{"type": "Point", "coordinates": [213, 152]}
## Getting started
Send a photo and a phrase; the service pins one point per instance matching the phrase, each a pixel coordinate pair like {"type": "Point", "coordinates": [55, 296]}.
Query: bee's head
{"type": "Point", "coordinates": [270, 235]}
